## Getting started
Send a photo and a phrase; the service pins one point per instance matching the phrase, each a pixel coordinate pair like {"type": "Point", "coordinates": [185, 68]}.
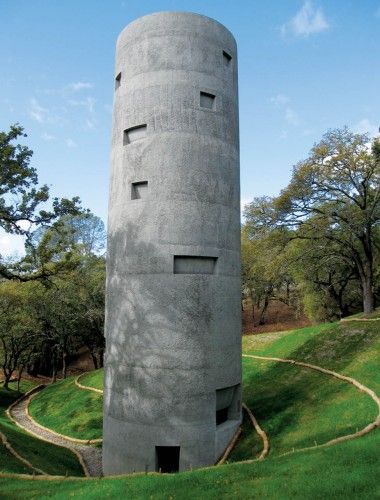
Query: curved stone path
{"type": "Point", "coordinates": [89, 456]}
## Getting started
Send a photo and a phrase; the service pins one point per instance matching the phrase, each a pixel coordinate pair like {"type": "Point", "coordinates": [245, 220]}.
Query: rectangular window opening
{"type": "Point", "coordinates": [226, 58]}
{"type": "Point", "coordinates": [167, 458]}
{"type": "Point", "coordinates": [134, 134]}
{"type": "Point", "coordinates": [139, 190]}
{"type": "Point", "coordinates": [221, 416]}
{"type": "Point", "coordinates": [193, 264]}
{"type": "Point", "coordinates": [228, 404]}
{"type": "Point", "coordinates": [118, 81]}
{"type": "Point", "coordinates": [207, 100]}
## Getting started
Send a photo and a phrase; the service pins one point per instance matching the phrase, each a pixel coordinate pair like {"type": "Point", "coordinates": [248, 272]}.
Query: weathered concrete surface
{"type": "Point", "coordinates": [173, 325]}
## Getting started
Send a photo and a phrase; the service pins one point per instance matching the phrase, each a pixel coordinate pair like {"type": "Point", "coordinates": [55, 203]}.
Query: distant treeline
{"type": "Point", "coordinates": [52, 299]}
{"type": "Point", "coordinates": [316, 246]}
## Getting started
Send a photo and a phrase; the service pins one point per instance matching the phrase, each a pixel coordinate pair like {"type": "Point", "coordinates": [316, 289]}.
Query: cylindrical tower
{"type": "Point", "coordinates": [172, 396]}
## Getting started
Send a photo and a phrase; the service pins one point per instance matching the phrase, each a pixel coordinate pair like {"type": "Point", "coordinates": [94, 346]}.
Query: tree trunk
{"type": "Point", "coordinates": [94, 360]}
{"type": "Point", "coordinates": [7, 379]}
{"type": "Point", "coordinates": [366, 274]}
{"type": "Point", "coordinates": [64, 366]}
{"type": "Point", "coordinates": [264, 310]}
{"type": "Point", "coordinates": [54, 371]}
{"type": "Point", "coordinates": [101, 358]}
{"type": "Point", "coordinates": [253, 308]}
{"type": "Point", "coordinates": [20, 370]}
{"type": "Point", "coordinates": [368, 297]}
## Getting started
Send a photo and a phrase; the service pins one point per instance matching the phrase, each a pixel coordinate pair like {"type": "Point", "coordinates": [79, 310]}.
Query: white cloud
{"type": "Point", "coordinates": [11, 244]}
{"type": "Point", "coordinates": [282, 102]}
{"type": "Point", "coordinates": [307, 21]}
{"type": "Point", "coordinates": [307, 131]}
{"type": "Point", "coordinates": [77, 86]}
{"type": "Point", "coordinates": [23, 224]}
{"type": "Point", "coordinates": [88, 103]}
{"type": "Point", "coordinates": [291, 116]}
{"type": "Point", "coordinates": [7, 102]}
{"type": "Point", "coordinates": [37, 112]}
{"type": "Point", "coordinates": [364, 126]}
{"type": "Point", "coordinates": [279, 100]}
{"type": "Point", "coordinates": [47, 137]}
{"type": "Point", "coordinates": [90, 124]}
{"type": "Point", "coordinates": [284, 134]}
{"type": "Point", "coordinates": [70, 143]}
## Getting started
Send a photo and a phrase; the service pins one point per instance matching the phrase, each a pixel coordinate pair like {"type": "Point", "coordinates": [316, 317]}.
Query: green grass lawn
{"type": "Point", "coordinates": [375, 314]}
{"type": "Point", "coordinates": [297, 407]}
{"type": "Point", "coordinates": [51, 459]}
{"type": "Point", "coordinates": [345, 471]}
{"type": "Point", "coordinates": [71, 411]}
{"type": "Point", "coordinates": [93, 379]}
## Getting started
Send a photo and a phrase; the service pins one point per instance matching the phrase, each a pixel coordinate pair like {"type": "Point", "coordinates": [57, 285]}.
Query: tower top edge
{"type": "Point", "coordinates": [172, 20]}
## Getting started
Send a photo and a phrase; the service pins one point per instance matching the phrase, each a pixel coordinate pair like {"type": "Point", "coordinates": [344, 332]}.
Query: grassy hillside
{"type": "Point", "coordinates": [347, 471]}
{"type": "Point", "coordinates": [51, 459]}
{"type": "Point", "coordinates": [297, 408]}
{"type": "Point", "coordinates": [93, 379]}
{"type": "Point", "coordinates": [69, 410]}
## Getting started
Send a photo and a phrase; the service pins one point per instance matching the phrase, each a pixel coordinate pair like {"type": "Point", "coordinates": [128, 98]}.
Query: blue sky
{"type": "Point", "coordinates": [304, 67]}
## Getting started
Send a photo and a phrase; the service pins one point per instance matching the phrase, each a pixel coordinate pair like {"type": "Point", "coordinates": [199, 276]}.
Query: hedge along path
{"type": "Point", "coordinates": [86, 387]}
{"type": "Point", "coordinates": [89, 457]}
{"type": "Point", "coordinates": [370, 427]}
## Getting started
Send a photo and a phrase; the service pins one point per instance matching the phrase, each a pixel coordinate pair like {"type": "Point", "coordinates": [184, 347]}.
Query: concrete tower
{"type": "Point", "coordinates": [172, 395]}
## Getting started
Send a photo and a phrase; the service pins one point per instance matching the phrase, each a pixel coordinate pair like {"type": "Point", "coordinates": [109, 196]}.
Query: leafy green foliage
{"type": "Point", "coordinates": [332, 202]}
{"type": "Point", "coordinates": [20, 329]}
{"type": "Point", "coordinates": [23, 202]}
{"type": "Point", "coordinates": [265, 269]}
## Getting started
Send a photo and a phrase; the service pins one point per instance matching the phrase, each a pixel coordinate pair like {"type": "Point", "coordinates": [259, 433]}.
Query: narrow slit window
{"type": "Point", "coordinates": [192, 264]}
{"type": "Point", "coordinates": [118, 81]}
{"type": "Point", "coordinates": [167, 458]}
{"type": "Point", "coordinates": [207, 100]}
{"type": "Point", "coordinates": [134, 134]}
{"type": "Point", "coordinates": [226, 58]}
{"type": "Point", "coordinates": [139, 190]}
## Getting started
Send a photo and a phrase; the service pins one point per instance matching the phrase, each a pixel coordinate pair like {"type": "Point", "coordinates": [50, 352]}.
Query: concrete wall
{"type": "Point", "coordinates": [173, 318]}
